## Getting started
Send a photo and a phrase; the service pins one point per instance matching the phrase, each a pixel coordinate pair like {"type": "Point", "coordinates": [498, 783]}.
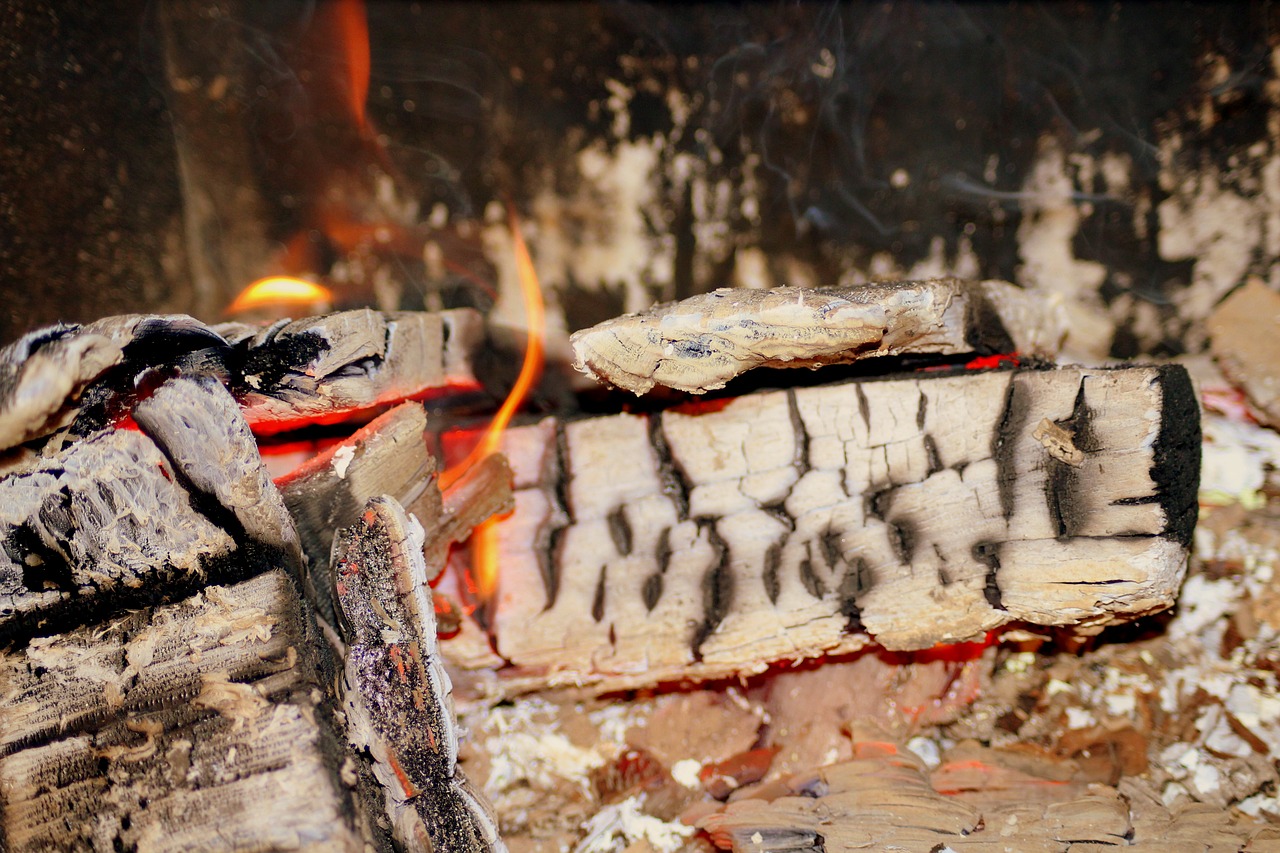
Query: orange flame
{"type": "Point", "coordinates": [484, 539]}
{"type": "Point", "coordinates": [353, 29]}
{"type": "Point", "coordinates": [280, 290]}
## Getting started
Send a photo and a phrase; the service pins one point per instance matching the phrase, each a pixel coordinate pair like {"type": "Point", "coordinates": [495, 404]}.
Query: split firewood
{"type": "Point", "coordinates": [711, 541]}
{"type": "Point", "coordinates": [44, 374]}
{"type": "Point", "coordinates": [323, 368]}
{"type": "Point", "coordinates": [399, 704]}
{"type": "Point", "coordinates": [388, 456]}
{"type": "Point", "coordinates": [104, 517]}
{"type": "Point", "coordinates": [198, 426]}
{"type": "Point", "coordinates": [198, 725]}
{"type": "Point", "coordinates": [702, 342]}
{"type": "Point", "coordinates": [122, 517]}
{"type": "Point", "coordinates": [318, 369]}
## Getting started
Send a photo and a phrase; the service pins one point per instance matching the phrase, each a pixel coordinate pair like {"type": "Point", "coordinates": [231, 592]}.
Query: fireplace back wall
{"type": "Point", "coordinates": [1119, 159]}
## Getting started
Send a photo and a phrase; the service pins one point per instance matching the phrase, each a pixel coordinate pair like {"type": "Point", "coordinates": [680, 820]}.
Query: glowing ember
{"type": "Point", "coordinates": [484, 543]}
{"type": "Point", "coordinates": [281, 290]}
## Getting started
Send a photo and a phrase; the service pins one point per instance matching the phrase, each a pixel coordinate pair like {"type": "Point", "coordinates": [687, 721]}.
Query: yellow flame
{"type": "Point", "coordinates": [279, 290]}
{"type": "Point", "coordinates": [484, 540]}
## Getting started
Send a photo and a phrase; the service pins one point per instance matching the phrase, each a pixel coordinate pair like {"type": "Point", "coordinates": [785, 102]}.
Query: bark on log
{"type": "Point", "coordinates": [700, 343]}
{"type": "Point", "coordinates": [399, 705]}
{"type": "Point", "coordinates": [713, 540]}
{"type": "Point", "coordinates": [191, 726]}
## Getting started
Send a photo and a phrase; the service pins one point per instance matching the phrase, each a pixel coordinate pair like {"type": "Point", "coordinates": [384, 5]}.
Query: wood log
{"type": "Point", "coordinates": [199, 725]}
{"type": "Point", "coordinates": [700, 343]}
{"type": "Point", "coordinates": [323, 369]}
{"type": "Point", "coordinates": [125, 518]}
{"type": "Point", "coordinates": [712, 540]}
{"type": "Point", "coordinates": [388, 456]}
{"type": "Point", "coordinates": [318, 369]}
{"type": "Point", "coordinates": [399, 707]}
{"type": "Point", "coordinates": [104, 518]}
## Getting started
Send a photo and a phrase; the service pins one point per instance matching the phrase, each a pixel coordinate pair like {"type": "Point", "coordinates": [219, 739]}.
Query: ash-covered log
{"type": "Point", "coordinates": [700, 343]}
{"type": "Point", "coordinates": [199, 725]}
{"type": "Point", "coordinates": [323, 368]}
{"type": "Point", "coordinates": [399, 706]}
{"type": "Point", "coordinates": [123, 518]}
{"type": "Point", "coordinates": [711, 540]}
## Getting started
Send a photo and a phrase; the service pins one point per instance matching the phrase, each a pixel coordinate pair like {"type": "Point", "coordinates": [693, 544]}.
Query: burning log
{"type": "Point", "coordinates": [184, 726]}
{"type": "Point", "coordinates": [398, 696]}
{"type": "Point", "coordinates": [322, 368]}
{"type": "Point", "coordinates": [700, 343]}
{"type": "Point", "coordinates": [712, 540]}
{"type": "Point", "coordinates": [317, 369]}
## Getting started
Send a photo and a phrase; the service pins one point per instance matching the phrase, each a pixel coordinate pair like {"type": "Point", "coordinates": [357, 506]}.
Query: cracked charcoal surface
{"type": "Point", "coordinates": [926, 512]}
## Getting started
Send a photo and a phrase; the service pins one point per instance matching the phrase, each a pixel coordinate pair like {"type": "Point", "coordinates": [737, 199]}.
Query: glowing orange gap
{"type": "Point", "coordinates": [278, 289]}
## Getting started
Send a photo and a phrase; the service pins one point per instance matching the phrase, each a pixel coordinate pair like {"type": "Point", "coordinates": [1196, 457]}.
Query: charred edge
{"type": "Point", "coordinates": [651, 590]}
{"type": "Point", "coordinates": [620, 530]}
{"type": "Point", "coordinates": [922, 408]}
{"type": "Point", "coordinates": [550, 559]}
{"type": "Point", "coordinates": [944, 576]}
{"type": "Point", "coordinates": [1175, 466]}
{"type": "Point", "coordinates": [1062, 481]}
{"type": "Point", "coordinates": [1080, 424]}
{"type": "Point", "coordinates": [675, 484]}
{"type": "Point", "coordinates": [772, 563]}
{"type": "Point", "coordinates": [717, 593]}
{"type": "Point", "coordinates": [832, 551]}
{"type": "Point", "coordinates": [812, 583]}
{"type": "Point", "coordinates": [597, 603]}
{"type": "Point", "coordinates": [876, 503]}
{"type": "Point", "coordinates": [984, 329]}
{"type": "Point", "coordinates": [801, 461]}
{"type": "Point", "coordinates": [551, 550]}
{"type": "Point", "coordinates": [931, 453]}
{"type": "Point", "coordinates": [902, 538]}
{"type": "Point", "coordinates": [988, 554]}
{"type": "Point", "coordinates": [50, 567]}
{"type": "Point", "coordinates": [856, 581]}
{"type": "Point", "coordinates": [270, 362]}
{"type": "Point", "coordinates": [1004, 443]}
{"type": "Point", "coordinates": [864, 408]}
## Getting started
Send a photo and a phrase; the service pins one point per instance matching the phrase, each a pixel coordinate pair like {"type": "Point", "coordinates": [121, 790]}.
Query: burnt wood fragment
{"type": "Point", "coordinates": [700, 343]}
{"type": "Point", "coordinates": [399, 706]}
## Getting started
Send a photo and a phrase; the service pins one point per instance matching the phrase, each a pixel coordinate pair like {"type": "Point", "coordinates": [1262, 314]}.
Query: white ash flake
{"type": "Point", "coordinates": [614, 828]}
{"type": "Point", "coordinates": [342, 460]}
{"type": "Point", "coordinates": [686, 772]}
{"type": "Point", "coordinates": [526, 749]}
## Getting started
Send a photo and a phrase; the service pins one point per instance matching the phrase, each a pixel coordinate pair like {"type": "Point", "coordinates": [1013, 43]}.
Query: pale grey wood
{"type": "Point", "coordinates": [712, 541]}
{"type": "Point", "coordinates": [101, 518]}
{"type": "Point", "coordinates": [199, 725]}
{"type": "Point", "coordinates": [700, 343]}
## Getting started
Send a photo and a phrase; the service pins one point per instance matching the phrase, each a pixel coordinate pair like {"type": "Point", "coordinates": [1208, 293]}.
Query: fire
{"type": "Point", "coordinates": [281, 290]}
{"type": "Point", "coordinates": [484, 540]}
{"type": "Point", "coordinates": [353, 34]}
